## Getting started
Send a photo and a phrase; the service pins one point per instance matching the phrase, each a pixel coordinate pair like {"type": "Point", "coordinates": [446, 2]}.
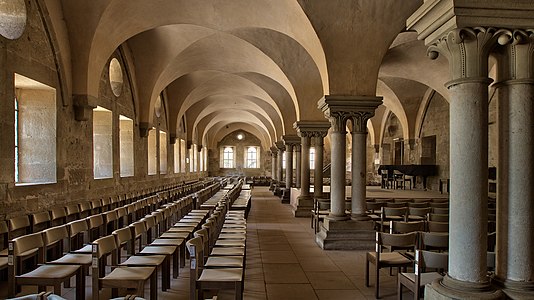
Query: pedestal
{"type": "Point", "coordinates": [346, 235]}
{"type": "Point", "coordinates": [439, 290]}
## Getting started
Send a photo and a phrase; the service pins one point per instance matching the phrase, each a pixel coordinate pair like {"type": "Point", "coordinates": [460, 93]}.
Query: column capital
{"type": "Point", "coordinates": [280, 146]}
{"type": "Point", "coordinates": [467, 50]}
{"type": "Point", "coordinates": [341, 108]}
{"type": "Point", "coordinates": [436, 18]}
{"type": "Point", "coordinates": [274, 151]}
{"type": "Point", "coordinates": [518, 55]}
{"type": "Point", "coordinates": [312, 128]}
{"type": "Point", "coordinates": [291, 140]}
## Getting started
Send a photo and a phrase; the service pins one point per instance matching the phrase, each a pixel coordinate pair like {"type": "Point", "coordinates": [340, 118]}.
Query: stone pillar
{"type": "Point", "coordinates": [298, 170]}
{"type": "Point", "coordinates": [279, 177]}
{"type": "Point", "coordinates": [515, 211]}
{"type": "Point", "coordinates": [359, 159]}
{"type": "Point", "coordinates": [338, 232]}
{"type": "Point", "coordinates": [307, 129]}
{"type": "Point", "coordinates": [319, 158]}
{"type": "Point", "coordinates": [274, 164]}
{"type": "Point", "coordinates": [467, 50]}
{"type": "Point", "coordinates": [290, 141]}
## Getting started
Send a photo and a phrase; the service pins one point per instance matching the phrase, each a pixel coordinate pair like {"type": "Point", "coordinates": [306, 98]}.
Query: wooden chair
{"type": "Point", "coordinates": [407, 241]}
{"type": "Point", "coordinates": [85, 209]}
{"type": "Point", "coordinates": [42, 275]}
{"type": "Point", "coordinates": [203, 278]}
{"type": "Point", "coordinates": [123, 238]}
{"type": "Point", "coordinates": [416, 281]}
{"type": "Point", "coordinates": [110, 221]}
{"type": "Point", "coordinates": [120, 277]}
{"type": "Point", "coordinates": [73, 212]}
{"type": "Point", "coordinates": [405, 227]}
{"type": "Point", "coordinates": [437, 217]}
{"type": "Point", "coordinates": [96, 206]}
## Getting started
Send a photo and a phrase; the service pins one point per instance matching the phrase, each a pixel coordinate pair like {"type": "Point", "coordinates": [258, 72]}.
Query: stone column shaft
{"type": "Point", "coordinates": [337, 182]}
{"type": "Point", "coordinates": [359, 169]}
{"type": "Point", "coordinates": [318, 168]}
{"type": "Point", "coordinates": [273, 164]}
{"type": "Point", "coordinates": [279, 170]}
{"type": "Point", "coordinates": [305, 167]}
{"type": "Point", "coordinates": [289, 166]}
{"type": "Point", "coordinates": [298, 159]}
{"type": "Point", "coordinates": [469, 173]}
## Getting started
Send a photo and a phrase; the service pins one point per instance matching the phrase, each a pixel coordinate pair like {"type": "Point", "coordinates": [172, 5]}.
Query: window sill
{"type": "Point", "coordinates": [22, 184]}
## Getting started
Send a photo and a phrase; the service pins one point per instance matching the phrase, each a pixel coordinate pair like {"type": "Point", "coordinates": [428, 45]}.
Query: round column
{"type": "Point", "coordinates": [289, 166]}
{"type": "Point", "coordinates": [305, 167]}
{"type": "Point", "coordinates": [318, 168]}
{"type": "Point", "coordinates": [359, 169]}
{"type": "Point", "coordinates": [469, 173]}
{"type": "Point", "coordinates": [337, 182]}
{"type": "Point", "coordinates": [297, 166]}
{"type": "Point", "coordinates": [273, 164]}
{"type": "Point", "coordinates": [280, 165]}
{"type": "Point", "coordinates": [520, 233]}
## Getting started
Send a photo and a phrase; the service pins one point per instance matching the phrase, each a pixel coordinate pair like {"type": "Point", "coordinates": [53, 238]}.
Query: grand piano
{"type": "Point", "coordinates": [413, 170]}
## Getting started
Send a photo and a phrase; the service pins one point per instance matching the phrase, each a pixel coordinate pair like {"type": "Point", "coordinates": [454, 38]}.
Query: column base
{"type": "Point", "coordinates": [286, 195]}
{"type": "Point", "coordinates": [360, 217]}
{"type": "Point", "coordinates": [517, 289]}
{"type": "Point", "coordinates": [303, 206]}
{"type": "Point", "coordinates": [449, 288]}
{"type": "Point", "coordinates": [346, 235]}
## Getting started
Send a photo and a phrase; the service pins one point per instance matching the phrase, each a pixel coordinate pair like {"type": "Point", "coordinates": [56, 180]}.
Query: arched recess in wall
{"type": "Point", "coordinates": [129, 71]}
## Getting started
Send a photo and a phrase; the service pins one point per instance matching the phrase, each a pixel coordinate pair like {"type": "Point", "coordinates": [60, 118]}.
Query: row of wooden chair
{"type": "Point", "coordinates": [73, 232]}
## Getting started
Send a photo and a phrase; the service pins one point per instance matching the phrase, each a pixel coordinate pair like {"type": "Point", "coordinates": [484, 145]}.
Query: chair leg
{"type": "Point", "coordinates": [80, 284]}
{"type": "Point", "coordinates": [366, 272]}
{"type": "Point", "coordinates": [238, 291]}
{"type": "Point", "coordinates": [377, 283]}
{"type": "Point", "coordinates": [399, 289]}
{"type": "Point", "coordinates": [57, 288]}
{"type": "Point", "coordinates": [154, 285]}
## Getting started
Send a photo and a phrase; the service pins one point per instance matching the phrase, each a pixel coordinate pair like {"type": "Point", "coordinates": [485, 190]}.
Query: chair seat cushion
{"type": "Point", "coordinates": [175, 235]}
{"type": "Point", "coordinates": [425, 277]}
{"type": "Point", "coordinates": [391, 258]}
{"type": "Point", "coordinates": [74, 259]}
{"type": "Point", "coordinates": [224, 261]}
{"type": "Point", "coordinates": [146, 260]}
{"type": "Point", "coordinates": [231, 243]}
{"type": "Point", "coordinates": [223, 251]}
{"type": "Point", "coordinates": [129, 273]}
{"type": "Point", "coordinates": [85, 249]}
{"type": "Point", "coordinates": [226, 274]}
{"type": "Point", "coordinates": [167, 250]}
{"type": "Point", "coordinates": [51, 272]}
{"type": "Point", "coordinates": [167, 242]}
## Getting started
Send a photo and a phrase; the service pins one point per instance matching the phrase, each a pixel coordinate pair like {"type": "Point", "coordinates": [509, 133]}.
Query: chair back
{"type": "Point", "coordinates": [85, 209]}
{"type": "Point", "coordinates": [406, 227]}
{"type": "Point", "coordinates": [203, 234]}
{"type": "Point", "coordinates": [428, 259]}
{"type": "Point", "coordinates": [398, 241]}
{"type": "Point", "coordinates": [121, 216]}
{"type": "Point", "coordinates": [438, 217]}
{"type": "Point", "coordinates": [396, 204]}
{"type": "Point", "coordinates": [96, 206]}
{"type": "Point", "coordinates": [18, 226]}
{"type": "Point", "coordinates": [194, 247]}
{"type": "Point", "coordinates": [73, 212]}
{"type": "Point", "coordinates": [123, 238]}
{"type": "Point", "coordinates": [103, 246]}
{"type": "Point", "coordinates": [58, 216]}
{"type": "Point", "coordinates": [77, 234]}
{"type": "Point", "coordinates": [54, 238]}
{"type": "Point", "coordinates": [40, 221]}
{"type": "Point", "coordinates": [439, 205]}
{"type": "Point", "coordinates": [27, 243]}
{"type": "Point", "coordinates": [434, 241]}
{"type": "Point", "coordinates": [4, 231]}
{"type": "Point", "coordinates": [419, 211]}
{"type": "Point", "coordinates": [437, 226]}
{"type": "Point", "coordinates": [95, 224]}
{"type": "Point", "coordinates": [418, 204]}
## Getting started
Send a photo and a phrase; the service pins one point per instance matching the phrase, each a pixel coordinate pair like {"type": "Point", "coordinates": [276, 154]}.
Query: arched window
{"type": "Point", "coordinates": [228, 157]}
{"type": "Point", "coordinates": [252, 158]}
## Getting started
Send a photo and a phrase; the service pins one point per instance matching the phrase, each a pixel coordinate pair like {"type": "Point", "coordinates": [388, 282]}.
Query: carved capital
{"type": "Point", "coordinates": [517, 49]}
{"type": "Point", "coordinates": [359, 120]}
{"type": "Point", "coordinates": [358, 109]}
{"type": "Point", "coordinates": [312, 128]}
{"type": "Point", "coordinates": [290, 141]}
{"type": "Point", "coordinates": [173, 139]}
{"type": "Point", "coordinates": [274, 151]}
{"type": "Point", "coordinates": [467, 50]}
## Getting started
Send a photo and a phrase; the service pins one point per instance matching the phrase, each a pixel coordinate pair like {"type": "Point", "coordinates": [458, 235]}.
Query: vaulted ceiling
{"type": "Point", "coordinates": [256, 65]}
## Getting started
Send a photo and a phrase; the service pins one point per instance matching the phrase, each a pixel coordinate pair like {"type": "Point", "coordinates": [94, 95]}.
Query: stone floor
{"type": "Point", "coordinates": [284, 262]}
